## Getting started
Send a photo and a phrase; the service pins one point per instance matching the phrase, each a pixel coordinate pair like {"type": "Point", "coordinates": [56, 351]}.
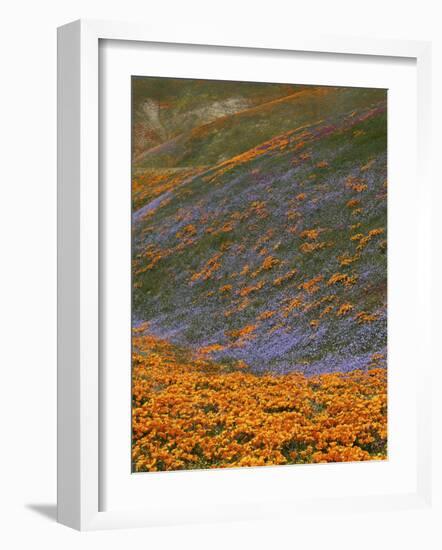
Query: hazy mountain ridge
{"type": "Point", "coordinates": [164, 108]}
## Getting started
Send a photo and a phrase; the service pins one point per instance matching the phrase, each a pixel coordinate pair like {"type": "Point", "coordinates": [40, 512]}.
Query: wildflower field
{"type": "Point", "coordinates": [259, 267]}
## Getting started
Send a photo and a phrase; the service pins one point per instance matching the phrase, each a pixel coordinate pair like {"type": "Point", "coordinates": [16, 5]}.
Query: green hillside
{"type": "Point", "coordinates": [261, 236]}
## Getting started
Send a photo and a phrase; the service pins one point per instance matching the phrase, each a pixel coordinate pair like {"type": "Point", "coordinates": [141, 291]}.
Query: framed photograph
{"type": "Point", "coordinates": [242, 331]}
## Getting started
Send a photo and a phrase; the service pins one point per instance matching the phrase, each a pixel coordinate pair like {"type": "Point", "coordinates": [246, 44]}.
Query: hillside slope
{"type": "Point", "coordinates": [227, 136]}
{"type": "Point", "coordinates": [166, 107]}
{"type": "Point", "coordinates": [270, 246]}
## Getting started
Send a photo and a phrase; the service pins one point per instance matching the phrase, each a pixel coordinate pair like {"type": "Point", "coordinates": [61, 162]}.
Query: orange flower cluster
{"type": "Point", "coordinates": [344, 309]}
{"type": "Point", "coordinates": [345, 259]}
{"type": "Point", "coordinates": [269, 262]}
{"type": "Point", "coordinates": [189, 413]}
{"type": "Point", "coordinates": [249, 289]}
{"type": "Point", "coordinates": [153, 256]}
{"type": "Point", "coordinates": [242, 332]}
{"type": "Point", "coordinates": [312, 285]}
{"type": "Point", "coordinates": [364, 240]}
{"type": "Point", "coordinates": [208, 269]}
{"type": "Point", "coordinates": [342, 278]}
{"type": "Point", "coordinates": [284, 278]}
{"type": "Point", "coordinates": [355, 184]}
{"type": "Point", "coordinates": [150, 184]}
{"type": "Point", "coordinates": [311, 234]}
{"type": "Point", "coordinates": [364, 317]}
{"type": "Point", "coordinates": [312, 247]}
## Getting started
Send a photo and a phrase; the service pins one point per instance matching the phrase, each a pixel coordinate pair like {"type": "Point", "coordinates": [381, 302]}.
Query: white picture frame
{"type": "Point", "coordinates": [79, 269]}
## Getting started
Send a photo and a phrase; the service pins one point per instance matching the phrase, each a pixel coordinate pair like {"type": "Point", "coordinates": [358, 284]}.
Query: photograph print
{"type": "Point", "coordinates": [259, 274]}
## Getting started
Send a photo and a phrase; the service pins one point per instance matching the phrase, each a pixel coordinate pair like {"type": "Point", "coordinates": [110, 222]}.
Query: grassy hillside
{"type": "Point", "coordinates": [231, 135]}
{"type": "Point", "coordinates": [263, 235]}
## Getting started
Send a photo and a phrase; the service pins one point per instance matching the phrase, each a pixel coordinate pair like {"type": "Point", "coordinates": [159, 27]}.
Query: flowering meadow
{"type": "Point", "coordinates": [193, 413]}
{"type": "Point", "coordinates": [259, 269]}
